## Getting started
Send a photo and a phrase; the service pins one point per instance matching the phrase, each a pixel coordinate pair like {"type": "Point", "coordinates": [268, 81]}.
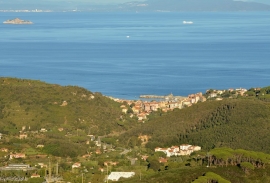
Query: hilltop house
{"type": "Point", "coordinates": [43, 130]}
{"type": "Point", "coordinates": [142, 116]}
{"type": "Point", "coordinates": [76, 165]}
{"type": "Point", "coordinates": [124, 110]}
{"type": "Point", "coordinates": [182, 150]}
{"type": "Point", "coordinates": [16, 156]}
{"type": "Point", "coordinates": [40, 146]}
{"type": "Point", "coordinates": [23, 136]}
{"type": "Point", "coordinates": [163, 160]}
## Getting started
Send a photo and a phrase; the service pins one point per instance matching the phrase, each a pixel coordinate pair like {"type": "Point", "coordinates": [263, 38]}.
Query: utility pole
{"type": "Point", "coordinates": [50, 171]}
{"type": "Point", "coordinates": [45, 173]}
{"type": "Point", "coordinates": [56, 169]}
{"type": "Point", "coordinates": [208, 163]}
{"type": "Point", "coordinates": [107, 173]}
{"type": "Point", "coordinates": [140, 165]}
{"type": "Point", "coordinates": [82, 177]}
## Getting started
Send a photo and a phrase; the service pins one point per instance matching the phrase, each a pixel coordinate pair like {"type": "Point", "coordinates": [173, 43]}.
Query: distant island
{"type": "Point", "coordinates": [17, 21]}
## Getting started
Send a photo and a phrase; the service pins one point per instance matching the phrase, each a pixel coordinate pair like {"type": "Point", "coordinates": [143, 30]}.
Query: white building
{"type": "Point", "coordinates": [184, 149]}
{"type": "Point", "coordinates": [115, 176]}
{"type": "Point", "coordinates": [76, 165]}
{"type": "Point", "coordinates": [184, 146]}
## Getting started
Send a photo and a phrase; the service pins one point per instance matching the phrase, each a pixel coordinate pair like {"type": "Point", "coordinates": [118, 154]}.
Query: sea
{"type": "Point", "coordinates": [128, 54]}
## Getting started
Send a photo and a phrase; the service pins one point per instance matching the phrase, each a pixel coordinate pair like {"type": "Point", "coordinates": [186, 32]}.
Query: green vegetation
{"type": "Point", "coordinates": [210, 177]}
{"type": "Point", "coordinates": [27, 106]}
{"type": "Point", "coordinates": [236, 123]}
{"type": "Point", "coordinates": [219, 165]}
{"type": "Point", "coordinates": [68, 124]}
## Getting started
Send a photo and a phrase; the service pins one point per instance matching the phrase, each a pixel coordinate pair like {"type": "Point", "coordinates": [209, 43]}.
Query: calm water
{"type": "Point", "coordinates": [128, 54]}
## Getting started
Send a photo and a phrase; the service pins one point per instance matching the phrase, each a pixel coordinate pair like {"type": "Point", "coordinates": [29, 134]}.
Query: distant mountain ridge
{"type": "Point", "coordinates": [197, 5]}
{"type": "Point", "coordinates": [149, 5]}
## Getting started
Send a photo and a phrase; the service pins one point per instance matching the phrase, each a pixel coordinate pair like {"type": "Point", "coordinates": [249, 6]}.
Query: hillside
{"type": "Point", "coordinates": [40, 105]}
{"type": "Point", "coordinates": [69, 124]}
{"type": "Point", "coordinates": [33, 105]}
{"type": "Point", "coordinates": [67, 113]}
{"type": "Point", "coordinates": [236, 123]}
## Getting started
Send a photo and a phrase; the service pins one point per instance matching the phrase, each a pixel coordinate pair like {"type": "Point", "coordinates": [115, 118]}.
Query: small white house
{"type": "Point", "coordinates": [115, 176]}
{"type": "Point", "coordinates": [76, 165]}
{"type": "Point", "coordinates": [184, 146]}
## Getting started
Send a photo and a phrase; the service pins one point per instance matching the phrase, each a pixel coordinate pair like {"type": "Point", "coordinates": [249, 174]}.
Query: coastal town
{"type": "Point", "coordinates": [142, 108]}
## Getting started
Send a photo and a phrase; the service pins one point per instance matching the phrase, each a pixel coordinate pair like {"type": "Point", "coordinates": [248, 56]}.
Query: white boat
{"type": "Point", "coordinates": [187, 22]}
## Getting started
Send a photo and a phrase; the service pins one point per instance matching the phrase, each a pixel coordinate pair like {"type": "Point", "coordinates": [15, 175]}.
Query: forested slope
{"type": "Point", "coordinates": [236, 123]}
{"type": "Point", "coordinates": [41, 105]}
{"type": "Point", "coordinates": [67, 113]}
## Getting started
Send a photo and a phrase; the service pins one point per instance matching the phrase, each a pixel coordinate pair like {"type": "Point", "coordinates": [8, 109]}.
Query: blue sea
{"type": "Point", "coordinates": [125, 55]}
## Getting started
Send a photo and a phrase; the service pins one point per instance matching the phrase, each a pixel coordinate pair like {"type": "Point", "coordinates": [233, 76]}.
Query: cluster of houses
{"type": "Point", "coordinates": [217, 93]}
{"type": "Point", "coordinates": [142, 109]}
{"type": "Point", "coordinates": [13, 155]}
{"type": "Point", "coordinates": [182, 150]}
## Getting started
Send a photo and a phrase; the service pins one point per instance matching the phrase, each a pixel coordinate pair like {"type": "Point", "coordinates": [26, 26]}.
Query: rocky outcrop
{"type": "Point", "coordinates": [17, 21]}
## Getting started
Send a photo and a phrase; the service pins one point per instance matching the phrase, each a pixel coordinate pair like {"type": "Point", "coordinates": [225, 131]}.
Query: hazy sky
{"type": "Point", "coordinates": [122, 1]}
{"type": "Point", "coordinates": [103, 1]}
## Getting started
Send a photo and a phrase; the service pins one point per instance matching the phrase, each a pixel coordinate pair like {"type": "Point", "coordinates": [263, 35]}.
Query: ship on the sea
{"type": "Point", "coordinates": [17, 21]}
{"type": "Point", "coordinates": [187, 22]}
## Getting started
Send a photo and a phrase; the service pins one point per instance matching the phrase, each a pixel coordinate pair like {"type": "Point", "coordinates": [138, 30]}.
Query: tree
{"type": "Point", "coordinates": [211, 177]}
{"type": "Point", "coordinates": [246, 167]}
{"type": "Point", "coordinates": [153, 163]}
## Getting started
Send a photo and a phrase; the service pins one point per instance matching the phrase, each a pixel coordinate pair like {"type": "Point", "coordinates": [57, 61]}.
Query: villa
{"type": "Point", "coordinates": [182, 150]}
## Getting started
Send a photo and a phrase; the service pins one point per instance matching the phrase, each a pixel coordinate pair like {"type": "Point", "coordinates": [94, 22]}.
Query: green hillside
{"type": "Point", "coordinates": [40, 105]}
{"type": "Point", "coordinates": [34, 105]}
{"type": "Point", "coordinates": [236, 123]}
{"type": "Point", "coordinates": [233, 134]}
